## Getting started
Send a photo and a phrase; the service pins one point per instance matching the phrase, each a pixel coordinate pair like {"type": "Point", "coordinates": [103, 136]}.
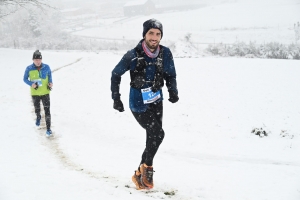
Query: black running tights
{"type": "Point", "coordinates": [37, 107]}
{"type": "Point", "coordinates": [151, 120]}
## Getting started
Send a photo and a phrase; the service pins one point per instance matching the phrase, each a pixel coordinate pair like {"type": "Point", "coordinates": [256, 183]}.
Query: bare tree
{"type": "Point", "coordinates": [8, 7]}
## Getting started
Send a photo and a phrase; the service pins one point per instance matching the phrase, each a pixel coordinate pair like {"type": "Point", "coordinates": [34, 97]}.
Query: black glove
{"type": "Point", "coordinates": [118, 105]}
{"type": "Point", "coordinates": [37, 86]}
{"type": "Point", "coordinates": [173, 97]}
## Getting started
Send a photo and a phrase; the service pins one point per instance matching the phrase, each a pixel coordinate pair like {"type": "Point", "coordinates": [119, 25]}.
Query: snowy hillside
{"type": "Point", "coordinates": [218, 22]}
{"type": "Point", "coordinates": [208, 152]}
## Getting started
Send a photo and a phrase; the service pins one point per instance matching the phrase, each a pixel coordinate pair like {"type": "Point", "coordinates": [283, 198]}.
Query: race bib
{"type": "Point", "coordinates": [149, 96]}
{"type": "Point", "coordinates": [38, 81]}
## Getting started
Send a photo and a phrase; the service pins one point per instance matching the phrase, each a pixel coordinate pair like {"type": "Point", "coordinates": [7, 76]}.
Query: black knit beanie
{"type": "Point", "coordinates": [152, 23]}
{"type": "Point", "coordinates": [37, 55]}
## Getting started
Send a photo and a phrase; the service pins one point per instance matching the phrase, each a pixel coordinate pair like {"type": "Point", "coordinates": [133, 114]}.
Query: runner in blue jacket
{"type": "Point", "coordinates": [150, 64]}
{"type": "Point", "coordinates": [39, 77]}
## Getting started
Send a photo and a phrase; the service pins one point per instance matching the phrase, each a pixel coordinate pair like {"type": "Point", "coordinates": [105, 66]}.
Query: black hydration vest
{"type": "Point", "coordinates": [138, 74]}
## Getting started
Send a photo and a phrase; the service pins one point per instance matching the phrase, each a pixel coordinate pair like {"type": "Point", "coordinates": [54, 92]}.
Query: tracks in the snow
{"type": "Point", "coordinates": [53, 144]}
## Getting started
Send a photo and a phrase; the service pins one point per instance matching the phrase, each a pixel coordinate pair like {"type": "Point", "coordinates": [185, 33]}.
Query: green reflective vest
{"type": "Point", "coordinates": [34, 76]}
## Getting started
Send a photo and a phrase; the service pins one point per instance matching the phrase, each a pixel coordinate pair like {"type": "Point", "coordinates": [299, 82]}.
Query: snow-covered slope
{"type": "Point", "coordinates": [218, 22]}
{"type": "Point", "coordinates": [209, 151]}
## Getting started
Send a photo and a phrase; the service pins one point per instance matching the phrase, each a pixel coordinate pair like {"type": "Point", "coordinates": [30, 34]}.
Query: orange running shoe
{"type": "Point", "coordinates": [136, 179]}
{"type": "Point", "coordinates": [147, 176]}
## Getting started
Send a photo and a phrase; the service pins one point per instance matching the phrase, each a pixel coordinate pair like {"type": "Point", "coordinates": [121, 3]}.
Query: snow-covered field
{"type": "Point", "coordinates": [208, 152]}
{"type": "Point", "coordinates": [259, 21]}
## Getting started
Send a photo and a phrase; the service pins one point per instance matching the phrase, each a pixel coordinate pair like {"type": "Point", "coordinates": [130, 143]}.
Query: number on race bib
{"type": "Point", "coordinates": [149, 96]}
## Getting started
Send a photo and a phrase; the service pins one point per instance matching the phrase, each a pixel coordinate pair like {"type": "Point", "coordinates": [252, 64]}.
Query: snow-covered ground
{"type": "Point", "coordinates": [258, 21]}
{"type": "Point", "coordinates": [208, 152]}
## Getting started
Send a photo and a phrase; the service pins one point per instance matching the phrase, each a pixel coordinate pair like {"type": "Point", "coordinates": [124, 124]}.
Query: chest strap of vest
{"type": "Point", "coordinates": [138, 74]}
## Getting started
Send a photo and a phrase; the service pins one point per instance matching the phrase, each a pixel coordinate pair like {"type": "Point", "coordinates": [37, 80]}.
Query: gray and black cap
{"type": "Point", "coordinates": [37, 55]}
{"type": "Point", "coordinates": [152, 23]}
